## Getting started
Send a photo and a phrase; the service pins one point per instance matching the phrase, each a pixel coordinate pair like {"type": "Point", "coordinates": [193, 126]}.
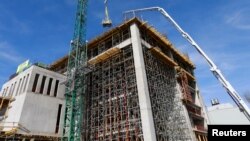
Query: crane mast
{"type": "Point", "coordinates": [75, 89]}
{"type": "Point", "coordinates": [213, 68]}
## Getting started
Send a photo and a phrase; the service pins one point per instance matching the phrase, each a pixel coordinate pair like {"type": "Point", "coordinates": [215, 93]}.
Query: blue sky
{"type": "Point", "coordinates": [41, 30]}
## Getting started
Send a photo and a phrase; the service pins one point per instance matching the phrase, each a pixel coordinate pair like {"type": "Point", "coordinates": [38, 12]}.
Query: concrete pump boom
{"type": "Point", "coordinates": [213, 68]}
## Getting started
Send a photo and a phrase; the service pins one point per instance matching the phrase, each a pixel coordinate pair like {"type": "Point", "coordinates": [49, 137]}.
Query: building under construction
{"type": "Point", "coordinates": [140, 88]}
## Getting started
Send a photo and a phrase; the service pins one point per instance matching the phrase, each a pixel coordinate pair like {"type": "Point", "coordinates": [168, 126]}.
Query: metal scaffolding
{"type": "Point", "coordinates": [112, 98]}
{"type": "Point", "coordinates": [113, 105]}
{"type": "Point", "coordinates": [167, 107]}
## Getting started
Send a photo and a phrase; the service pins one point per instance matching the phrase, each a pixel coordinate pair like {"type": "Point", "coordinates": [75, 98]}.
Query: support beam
{"type": "Point", "coordinates": [142, 86]}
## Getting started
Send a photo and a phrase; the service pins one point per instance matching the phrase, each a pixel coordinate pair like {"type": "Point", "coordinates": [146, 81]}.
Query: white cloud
{"type": "Point", "coordinates": [239, 19]}
{"type": "Point", "coordinates": [7, 53]}
{"type": "Point", "coordinates": [10, 22]}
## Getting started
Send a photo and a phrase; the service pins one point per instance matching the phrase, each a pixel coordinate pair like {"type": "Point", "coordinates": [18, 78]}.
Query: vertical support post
{"type": "Point", "coordinates": [142, 86]}
{"type": "Point", "coordinates": [39, 82]}
{"type": "Point", "coordinates": [53, 85]}
{"type": "Point", "coordinates": [46, 86]}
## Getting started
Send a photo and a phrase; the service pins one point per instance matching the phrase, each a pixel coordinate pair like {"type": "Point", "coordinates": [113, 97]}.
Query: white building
{"type": "Point", "coordinates": [226, 114]}
{"type": "Point", "coordinates": [32, 103]}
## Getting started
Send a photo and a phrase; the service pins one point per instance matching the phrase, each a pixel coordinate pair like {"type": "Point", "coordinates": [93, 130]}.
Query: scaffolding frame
{"type": "Point", "coordinates": [113, 104]}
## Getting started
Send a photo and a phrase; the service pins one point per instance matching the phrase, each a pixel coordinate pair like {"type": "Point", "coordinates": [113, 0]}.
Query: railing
{"type": "Point", "coordinates": [12, 127]}
{"type": "Point", "coordinates": [200, 128]}
{"type": "Point", "coordinates": [194, 111]}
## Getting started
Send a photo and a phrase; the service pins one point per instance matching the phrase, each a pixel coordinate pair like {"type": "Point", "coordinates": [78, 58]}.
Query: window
{"type": "Point", "coordinates": [58, 117]}
{"type": "Point", "coordinates": [42, 85]}
{"type": "Point", "coordinates": [49, 87]}
{"type": "Point", "coordinates": [56, 88]}
{"type": "Point", "coordinates": [35, 83]}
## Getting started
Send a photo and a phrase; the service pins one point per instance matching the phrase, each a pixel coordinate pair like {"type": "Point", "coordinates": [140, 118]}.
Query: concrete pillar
{"type": "Point", "coordinates": [148, 127]}
{"type": "Point", "coordinates": [53, 87]}
{"type": "Point", "coordinates": [39, 82]}
{"type": "Point", "coordinates": [61, 90]}
{"type": "Point", "coordinates": [18, 86]}
{"type": "Point", "coordinates": [11, 88]}
{"type": "Point", "coordinates": [6, 91]}
{"type": "Point", "coordinates": [30, 81]}
{"type": "Point", "coordinates": [45, 89]}
{"type": "Point", "coordinates": [26, 84]}
{"type": "Point", "coordinates": [21, 86]}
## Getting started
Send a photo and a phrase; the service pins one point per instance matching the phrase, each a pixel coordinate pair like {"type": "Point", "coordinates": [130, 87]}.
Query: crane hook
{"type": "Point", "coordinates": [107, 21]}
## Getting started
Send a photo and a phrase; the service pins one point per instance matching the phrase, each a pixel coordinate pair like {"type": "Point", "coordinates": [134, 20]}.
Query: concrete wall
{"type": "Point", "coordinates": [23, 82]}
{"type": "Point", "coordinates": [49, 74]}
{"type": "Point", "coordinates": [16, 86]}
{"type": "Point", "coordinates": [14, 113]}
{"type": "Point", "coordinates": [40, 113]}
{"type": "Point", "coordinates": [35, 111]}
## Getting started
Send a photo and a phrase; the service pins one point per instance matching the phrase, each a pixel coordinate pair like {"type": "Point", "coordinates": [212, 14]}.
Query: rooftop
{"type": "Point", "coordinates": [142, 25]}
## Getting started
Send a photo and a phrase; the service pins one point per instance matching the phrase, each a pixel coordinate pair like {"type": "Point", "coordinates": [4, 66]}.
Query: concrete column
{"type": "Point", "coordinates": [45, 89]}
{"type": "Point", "coordinates": [6, 91]}
{"type": "Point", "coordinates": [11, 88]}
{"type": "Point", "coordinates": [61, 90]}
{"type": "Point", "coordinates": [53, 87]}
{"type": "Point", "coordinates": [26, 83]}
{"type": "Point", "coordinates": [148, 127]}
{"type": "Point", "coordinates": [39, 82]}
{"type": "Point", "coordinates": [30, 81]}
{"type": "Point", "coordinates": [18, 87]}
{"type": "Point", "coordinates": [21, 86]}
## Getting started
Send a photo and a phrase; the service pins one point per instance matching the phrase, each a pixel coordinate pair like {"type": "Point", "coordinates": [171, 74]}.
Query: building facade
{"type": "Point", "coordinates": [32, 104]}
{"type": "Point", "coordinates": [141, 88]}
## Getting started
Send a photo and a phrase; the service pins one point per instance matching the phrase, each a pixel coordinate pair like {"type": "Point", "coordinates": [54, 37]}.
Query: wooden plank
{"type": "Point", "coordinates": [104, 55]}
{"type": "Point", "coordinates": [165, 58]}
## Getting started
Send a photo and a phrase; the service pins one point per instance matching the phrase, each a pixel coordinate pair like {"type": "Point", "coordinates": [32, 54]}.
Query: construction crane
{"type": "Point", "coordinates": [106, 22]}
{"type": "Point", "coordinates": [214, 69]}
{"type": "Point", "coordinates": [75, 89]}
